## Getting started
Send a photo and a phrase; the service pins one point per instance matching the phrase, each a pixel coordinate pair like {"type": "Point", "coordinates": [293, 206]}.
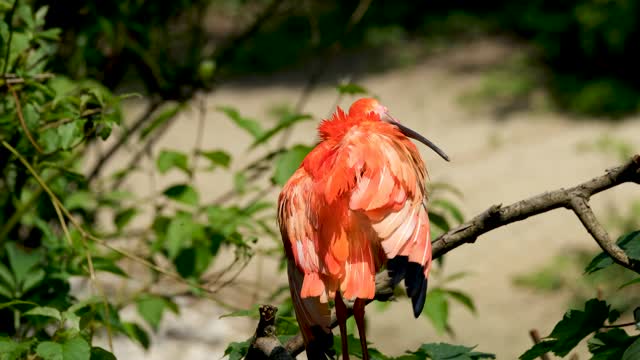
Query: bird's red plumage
{"type": "Point", "coordinates": [356, 201]}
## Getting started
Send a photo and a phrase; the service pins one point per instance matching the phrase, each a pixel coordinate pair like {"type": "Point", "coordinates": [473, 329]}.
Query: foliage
{"type": "Point", "coordinates": [613, 343]}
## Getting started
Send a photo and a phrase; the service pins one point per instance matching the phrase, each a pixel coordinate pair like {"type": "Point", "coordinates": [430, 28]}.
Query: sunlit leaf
{"type": "Point", "coordinates": [237, 350]}
{"type": "Point", "coordinates": [151, 308]}
{"type": "Point", "coordinates": [350, 88]}
{"type": "Point", "coordinates": [183, 193]}
{"type": "Point", "coordinates": [287, 121]}
{"type": "Point", "coordinates": [217, 157]}
{"type": "Point", "coordinates": [287, 163]}
{"type": "Point", "coordinates": [14, 350]}
{"type": "Point", "coordinates": [450, 207]}
{"type": "Point", "coordinates": [629, 283]}
{"type": "Point", "coordinates": [169, 159]}
{"type": "Point", "coordinates": [253, 313]}
{"type": "Point", "coordinates": [45, 311]}
{"type": "Point", "coordinates": [436, 309]}
{"type": "Point", "coordinates": [73, 349]}
{"type": "Point", "coordinates": [251, 126]}
{"type": "Point", "coordinates": [462, 298]}
{"type": "Point", "coordinates": [137, 333]}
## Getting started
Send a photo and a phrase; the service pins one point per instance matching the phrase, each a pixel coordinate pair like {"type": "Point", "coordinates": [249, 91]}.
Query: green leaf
{"type": "Point", "coordinates": [444, 351]}
{"type": "Point", "coordinates": [288, 162]}
{"type": "Point", "coordinates": [633, 352]}
{"type": "Point", "coordinates": [44, 311]}
{"type": "Point", "coordinates": [462, 298]}
{"type": "Point", "coordinates": [609, 344]}
{"type": "Point", "coordinates": [287, 121]}
{"type": "Point", "coordinates": [108, 265]}
{"type": "Point", "coordinates": [193, 261]}
{"type": "Point", "coordinates": [73, 349]}
{"type": "Point", "coordinates": [31, 116]}
{"type": "Point", "coordinates": [237, 350]}
{"type": "Point", "coordinates": [21, 261]}
{"type": "Point", "coordinates": [169, 159]}
{"type": "Point", "coordinates": [13, 350]}
{"type": "Point", "coordinates": [636, 317]}
{"type": "Point", "coordinates": [251, 126]}
{"type": "Point", "coordinates": [183, 193]}
{"type": "Point", "coordinates": [151, 308]}
{"type": "Point", "coordinates": [574, 326]}
{"type": "Point", "coordinates": [33, 278]}
{"type": "Point", "coordinates": [450, 207]}
{"type": "Point", "coordinates": [240, 182]}
{"type": "Point", "coordinates": [630, 243]}
{"type": "Point", "coordinates": [98, 353]}
{"type": "Point", "coordinates": [350, 88]}
{"type": "Point", "coordinates": [70, 133]}
{"type": "Point", "coordinates": [82, 200]}
{"type": "Point", "coordinates": [438, 221]}
{"type": "Point", "coordinates": [254, 312]}
{"type": "Point", "coordinates": [6, 277]}
{"type": "Point", "coordinates": [136, 333]}
{"type": "Point", "coordinates": [436, 308]}
{"type": "Point", "coordinates": [180, 232]}
{"type": "Point", "coordinates": [632, 282]}
{"type": "Point", "coordinates": [217, 157]}
{"type": "Point", "coordinates": [355, 348]}
{"type": "Point", "coordinates": [124, 216]}
{"type": "Point", "coordinates": [160, 120]}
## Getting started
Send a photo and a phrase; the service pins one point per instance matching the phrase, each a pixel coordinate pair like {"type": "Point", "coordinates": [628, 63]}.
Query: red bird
{"type": "Point", "coordinates": [355, 205]}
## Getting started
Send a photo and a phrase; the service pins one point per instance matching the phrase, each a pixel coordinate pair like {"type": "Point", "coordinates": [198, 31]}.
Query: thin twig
{"type": "Point", "coordinates": [14, 79]}
{"type": "Point", "coordinates": [588, 218]}
{"type": "Point", "coordinates": [142, 120]}
{"type": "Point", "coordinates": [620, 325]}
{"type": "Point", "coordinates": [23, 123]}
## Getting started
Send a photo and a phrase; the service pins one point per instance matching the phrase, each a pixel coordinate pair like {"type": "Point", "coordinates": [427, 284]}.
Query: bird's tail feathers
{"type": "Point", "coordinates": [314, 318]}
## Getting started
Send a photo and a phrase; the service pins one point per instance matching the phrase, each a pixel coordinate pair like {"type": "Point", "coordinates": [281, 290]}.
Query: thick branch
{"type": "Point", "coordinates": [497, 216]}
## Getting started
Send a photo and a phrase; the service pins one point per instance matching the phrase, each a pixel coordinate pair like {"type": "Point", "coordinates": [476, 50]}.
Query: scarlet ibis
{"type": "Point", "coordinates": [355, 205]}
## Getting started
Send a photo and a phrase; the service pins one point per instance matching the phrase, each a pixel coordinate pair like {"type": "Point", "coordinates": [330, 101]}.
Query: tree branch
{"type": "Point", "coordinates": [497, 215]}
{"type": "Point", "coordinates": [265, 344]}
{"type": "Point", "coordinates": [575, 198]}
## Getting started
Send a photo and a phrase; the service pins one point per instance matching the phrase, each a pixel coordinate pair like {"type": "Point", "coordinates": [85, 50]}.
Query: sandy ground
{"type": "Point", "coordinates": [493, 161]}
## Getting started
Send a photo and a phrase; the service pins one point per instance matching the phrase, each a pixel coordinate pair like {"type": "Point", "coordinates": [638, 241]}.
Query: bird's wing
{"type": "Point", "coordinates": [389, 191]}
{"type": "Point", "coordinates": [298, 227]}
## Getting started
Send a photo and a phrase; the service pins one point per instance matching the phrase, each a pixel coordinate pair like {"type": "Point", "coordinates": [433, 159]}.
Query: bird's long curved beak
{"type": "Point", "coordinates": [415, 135]}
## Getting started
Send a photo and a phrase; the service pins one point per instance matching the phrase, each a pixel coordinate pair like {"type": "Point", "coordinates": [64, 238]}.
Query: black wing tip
{"type": "Point", "coordinates": [416, 285]}
{"type": "Point", "coordinates": [418, 301]}
{"type": "Point", "coordinates": [397, 268]}
{"type": "Point", "coordinates": [415, 282]}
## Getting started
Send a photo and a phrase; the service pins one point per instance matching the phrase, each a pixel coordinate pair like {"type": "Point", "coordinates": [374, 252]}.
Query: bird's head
{"type": "Point", "coordinates": [371, 109]}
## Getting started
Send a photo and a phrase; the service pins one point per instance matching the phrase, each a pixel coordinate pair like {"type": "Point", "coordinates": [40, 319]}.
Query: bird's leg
{"type": "Point", "coordinates": [358, 314]}
{"type": "Point", "coordinates": [341, 315]}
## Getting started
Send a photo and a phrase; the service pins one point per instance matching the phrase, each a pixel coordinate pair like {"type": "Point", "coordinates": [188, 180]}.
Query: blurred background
{"type": "Point", "coordinates": [219, 104]}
